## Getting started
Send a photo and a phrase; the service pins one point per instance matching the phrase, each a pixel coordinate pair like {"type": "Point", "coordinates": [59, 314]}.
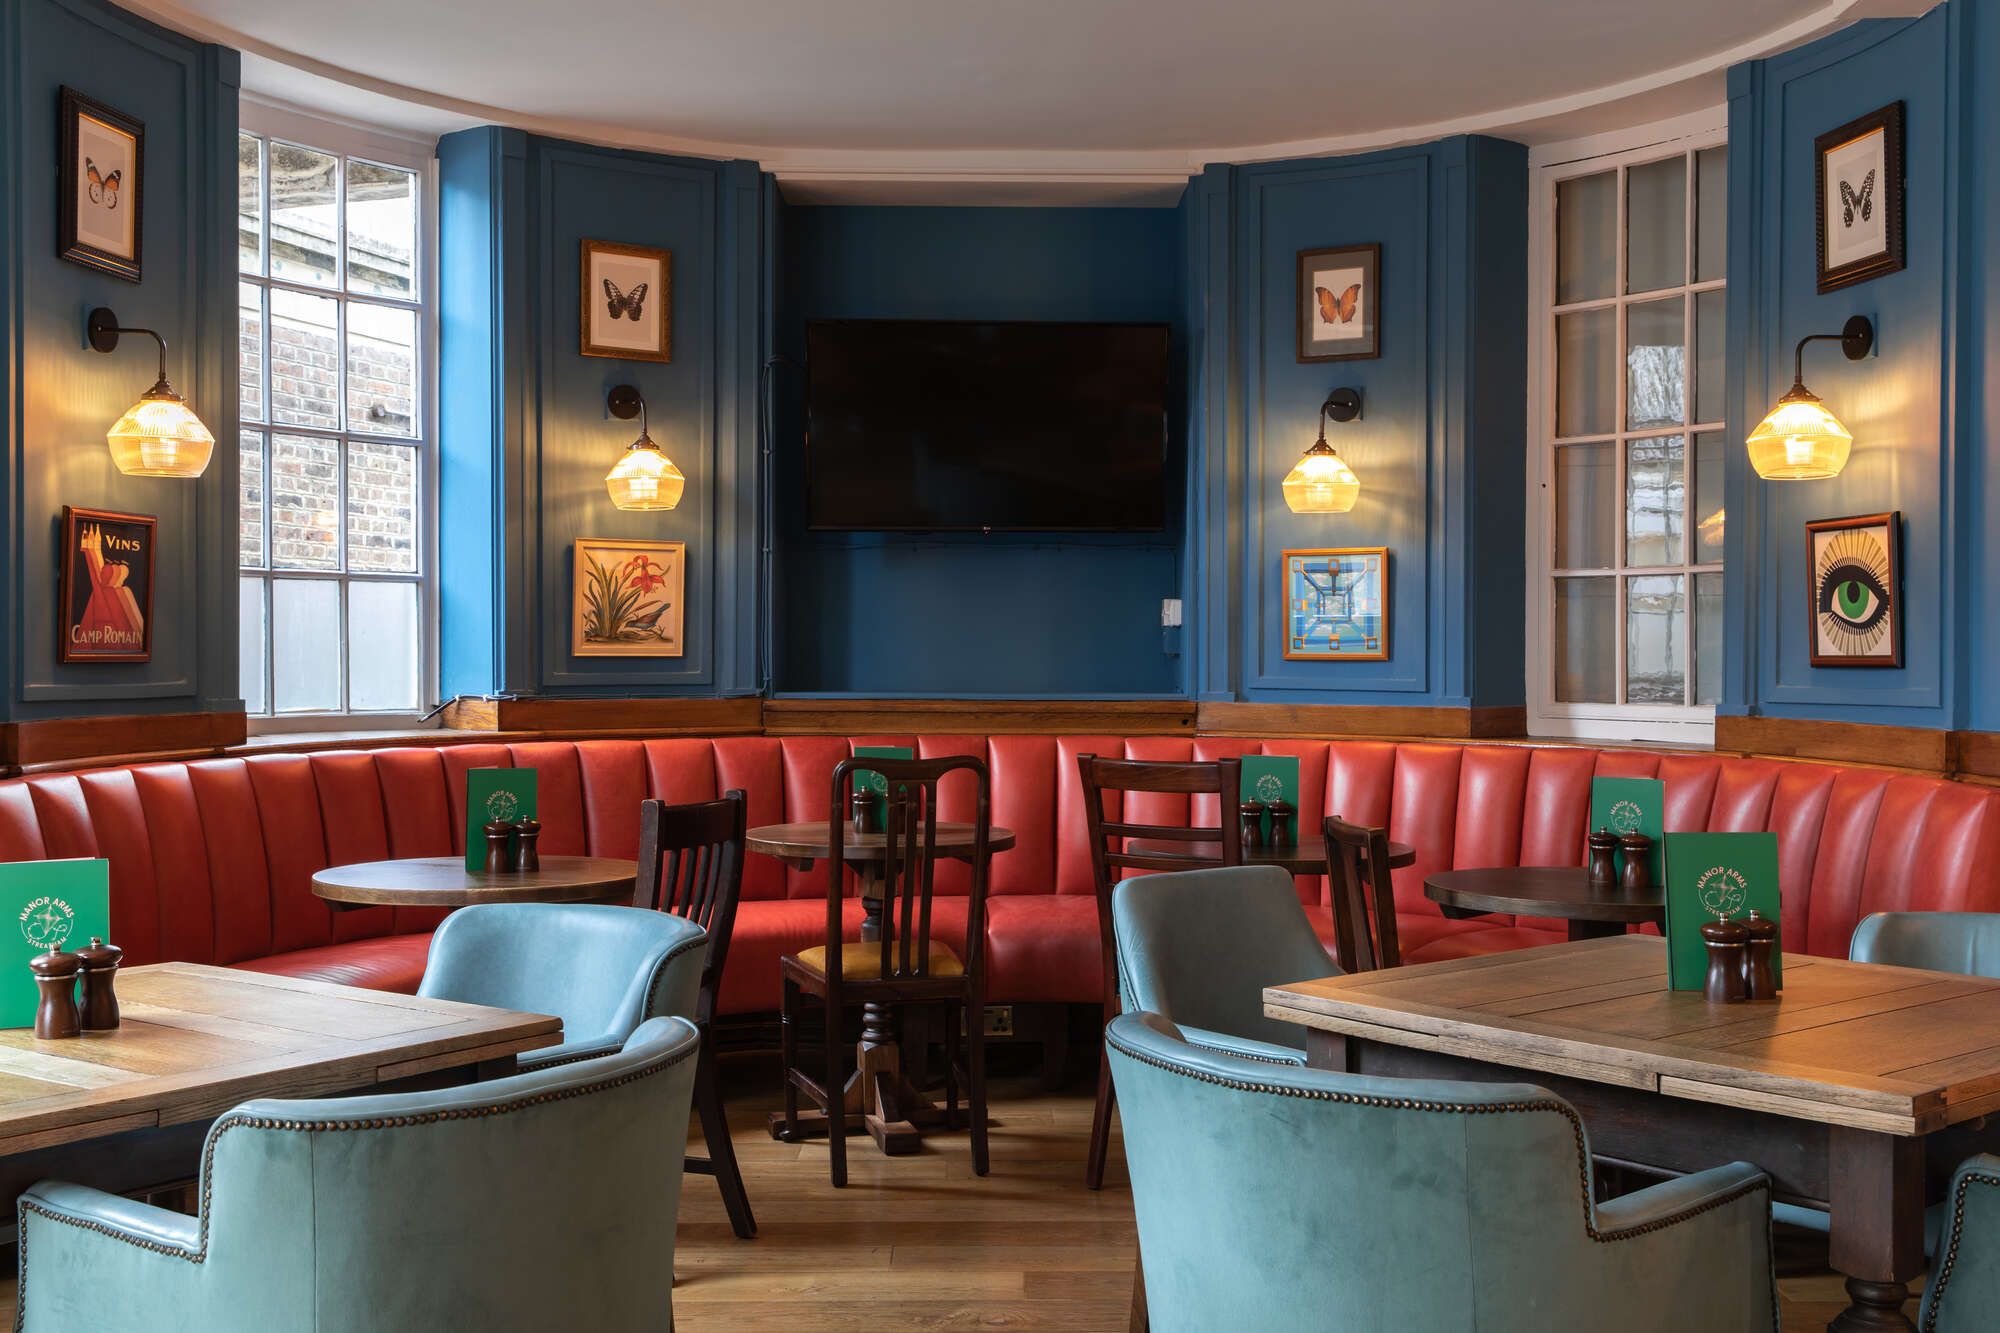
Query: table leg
{"type": "Point", "coordinates": [1327, 1050]}
{"type": "Point", "coordinates": [1876, 1184]}
{"type": "Point", "coordinates": [1595, 930]}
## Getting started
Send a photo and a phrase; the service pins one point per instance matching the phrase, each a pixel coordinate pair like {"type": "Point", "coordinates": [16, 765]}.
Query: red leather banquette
{"type": "Point", "coordinates": [211, 860]}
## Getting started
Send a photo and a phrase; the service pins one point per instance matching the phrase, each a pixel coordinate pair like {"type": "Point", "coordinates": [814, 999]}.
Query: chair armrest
{"type": "Point", "coordinates": [120, 1219]}
{"type": "Point", "coordinates": [569, 1052]}
{"type": "Point", "coordinates": [1675, 1200]}
{"type": "Point", "coordinates": [1246, 1048]}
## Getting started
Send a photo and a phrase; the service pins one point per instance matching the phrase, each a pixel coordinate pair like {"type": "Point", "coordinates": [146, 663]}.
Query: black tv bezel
{"type": "Point", "coordinates": [1166, 368]}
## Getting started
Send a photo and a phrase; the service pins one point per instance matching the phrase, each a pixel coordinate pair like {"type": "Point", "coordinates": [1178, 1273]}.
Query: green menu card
{"type": "Point", "coordinates": [1268, 778]}
{"type": "Point", "coordinates": [867, 779]}
{"type": "Point", "coordinates": [1711, 875]}
{"type": "Point", "coordinates": [490, 794]}
{"type": "Point", "coordinates": [1632, 805]}
{"type": "Point", "coordinates": [47, 905]}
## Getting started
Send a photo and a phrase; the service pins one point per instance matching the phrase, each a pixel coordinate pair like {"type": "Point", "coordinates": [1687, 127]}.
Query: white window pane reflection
{"type": "Point", "coordinates": [305, 645]}
{"type": "Point", "coordinates": [1587, 373]}
{"type": "Point", "coordinates": [305, 214]}
{"type": "Point", "coordinates": [1586, 506]}
{"type": "Point", "coordinates": [381, 230]}
{"type": "Point", "coordinates": [1655, 365]}
{"type": "Point", "coordinates": [1587, 237]}
{"type": "Point", "coordinates": [1656, 225]}
{"type": "Point", "coordinates": [1586, 641]}
{"type": "Point", "coordinates": [382, 646]}
{"type": "Point", "coordinates": [1655, 500]}
{"type": "Point", "coordinates": [250, 644]}
{"type": "Point", "coordinates": [1656, 639]}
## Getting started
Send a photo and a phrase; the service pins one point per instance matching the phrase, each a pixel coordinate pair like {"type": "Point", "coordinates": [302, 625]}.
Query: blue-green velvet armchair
{"type": "Point", "coordinates": [1271, 1197]}
{"type": "Point", "coordinates": [1964, 1291]}
{"type": "Point", "coordinates": [546, 1200]}
{"type": "Point", "coordinates": [1200, 946]}
{"type": "Point", "coordinates": [602, 969]}
{"type": "Point", "coordinates": [1964, 942]}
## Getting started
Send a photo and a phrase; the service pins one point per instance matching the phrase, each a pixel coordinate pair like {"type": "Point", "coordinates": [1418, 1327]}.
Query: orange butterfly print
{"type": "Point", "coordinates": [103, 189]}
{"type": "Point", "coordinates": [1338, 309]}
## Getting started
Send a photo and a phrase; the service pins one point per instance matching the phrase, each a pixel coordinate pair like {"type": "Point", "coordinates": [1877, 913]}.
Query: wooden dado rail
{"type": "Point", "coordinates": [83, 742]}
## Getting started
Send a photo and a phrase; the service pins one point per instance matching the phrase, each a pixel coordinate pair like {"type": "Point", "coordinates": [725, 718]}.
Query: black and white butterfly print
{"type": "Point", "coordinates": [624, 303]}
{"type": "Point", "coordinates": [103, 189]}
{"type": "Point", "coordinates": [1860, 201]}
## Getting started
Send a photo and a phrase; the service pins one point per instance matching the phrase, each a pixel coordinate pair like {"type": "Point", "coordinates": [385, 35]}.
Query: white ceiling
{"type": "Point", "coordinates": [1112, 97]}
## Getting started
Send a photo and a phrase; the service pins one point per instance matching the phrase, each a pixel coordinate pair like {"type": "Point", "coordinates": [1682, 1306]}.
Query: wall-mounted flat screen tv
{"type": "Point", "coordinates": [951, 426]}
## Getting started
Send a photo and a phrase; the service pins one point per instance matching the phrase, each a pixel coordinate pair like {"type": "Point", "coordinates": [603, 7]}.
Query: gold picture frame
{"type": "Point", "coordinates": [1337, 604]}
{"type": "Point", "coordinates": [626, 308]}
{"type": "Point", "coordinates": [628, 598]}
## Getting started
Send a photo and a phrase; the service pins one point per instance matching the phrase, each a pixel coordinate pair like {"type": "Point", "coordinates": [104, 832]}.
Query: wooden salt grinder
{"type": "Point", "coordinates": [1636, 874]}
{"type": "Point", "coordinates": [1603, 859]}
{"type": "Point", "coordinates": [861, 806]}
{"type": "Point", "coordinates": [1727, 941]}
{"type": "Point", "coordinates": [1250, 815]}
{"type": "Point", "coordinates": [98, 1008]}
{"type": "Point", "coordinates": [498, 835]}
{"type": "Point", "coordinates": [526, 857]}
{"type": "Point", "coordinates": [1760, 976]}
{"type": "Point", "coordinates": [55, 975]}
{"type": "Point", "coordinates": [1281, 823]}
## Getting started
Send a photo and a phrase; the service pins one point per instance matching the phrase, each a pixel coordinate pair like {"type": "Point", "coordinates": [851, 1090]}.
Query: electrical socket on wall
{"type": "Point", "coordinates": [1170, 613]}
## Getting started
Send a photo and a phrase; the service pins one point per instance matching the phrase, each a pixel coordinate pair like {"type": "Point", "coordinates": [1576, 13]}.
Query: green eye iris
{"type": "Point", "coordinates": [1853, 595]}
{"type": "Point", "coordinates": [1852, 600]}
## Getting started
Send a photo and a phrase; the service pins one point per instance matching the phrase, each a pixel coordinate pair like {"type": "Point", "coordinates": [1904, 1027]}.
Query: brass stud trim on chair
{"type": "Point", "coordinates": [1950, 1260]}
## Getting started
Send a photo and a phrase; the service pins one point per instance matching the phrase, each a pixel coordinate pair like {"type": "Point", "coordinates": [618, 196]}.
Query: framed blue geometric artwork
{"type": "Point", "coordinates": [1337, 605]}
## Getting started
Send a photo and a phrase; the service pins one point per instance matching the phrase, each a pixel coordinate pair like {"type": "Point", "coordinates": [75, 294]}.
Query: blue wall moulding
{"type": "Point", "coordinates": [1441, 435]}
{"type": "Point", "coordinates": [526, 438]}
{"type": "Point", "coordinates": [66, 397]}
{"type": "Point", "coordinates": [1009, 613]}
{"type": "Point", "coordinates": [1920, 408]}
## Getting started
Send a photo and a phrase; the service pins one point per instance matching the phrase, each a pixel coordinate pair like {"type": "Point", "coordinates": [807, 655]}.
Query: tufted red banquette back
{"type": "Point", "coordinates": [211, 860]}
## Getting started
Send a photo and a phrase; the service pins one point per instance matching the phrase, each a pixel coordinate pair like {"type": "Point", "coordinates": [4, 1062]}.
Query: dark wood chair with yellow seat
{"type": "Point", "coordinates": [1364, 905]}
{"type": "Point", "coordinates": [902, 965]}
{"type": "Point", "coordinates": [1127, 844]}
{"type": "Point", "coordinates": [691, 865]}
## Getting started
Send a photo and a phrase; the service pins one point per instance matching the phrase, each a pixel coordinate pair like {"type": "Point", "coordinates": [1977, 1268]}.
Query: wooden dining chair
{"type": "Point", "coordinates": [905, 965]}
{"type": "Point", "coordinates": [1364, 905]}
{"type": "Point", "coordinates": [1124, 844]}
{"type": "Point", "coordinates": [691, 865]}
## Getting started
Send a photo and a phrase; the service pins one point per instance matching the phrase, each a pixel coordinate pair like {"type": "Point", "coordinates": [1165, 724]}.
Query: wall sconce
{"type": "Point", "coordinates": [644, 478]}
{"type": "Point", "coordinates": [158, 436]}
{"type": "Point", "coordinates": [1321, 482]}
{"type": "Point", "coordinates": [1800, 440]}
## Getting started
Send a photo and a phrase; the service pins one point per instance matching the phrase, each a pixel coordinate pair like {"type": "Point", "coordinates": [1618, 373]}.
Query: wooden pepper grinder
{"type": "Point", "coordinates": [1250, 815]}
{"type": "Point", "coordinates": [1281, 823]}
{"type": "Point", "coordinates": [1727, 942]}
{"type": "Point", "coordinates": [99, 1006]}
{"type": "Point", "coordinates": [861, 806]}
{"type": "Point", "coordinates": [1635, 874]}
{"type": "Point", "coordinates": [1603, 859]}
{"type": "Point", "coordinates": [526, 856]}
{"type": "Point", "coordinates": [499, 833]}
{"type": "Point", "coordinates": [1760, 975]}
{"type": "Point", "coordinates": [55, 975]}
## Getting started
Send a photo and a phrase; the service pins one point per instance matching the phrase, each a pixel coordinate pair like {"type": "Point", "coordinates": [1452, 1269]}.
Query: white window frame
{"type": "Point", "coordinates": [272, 120]}
{"type": "Point", "coordinates": [1548, 165]}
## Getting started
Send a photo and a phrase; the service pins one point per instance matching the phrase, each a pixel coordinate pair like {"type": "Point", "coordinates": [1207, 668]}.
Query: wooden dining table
{"type": "Point", "coordinates": [127, 1108]}
{"type": "Point", "coordinates": [1858, 1090]}
{"type": "Point", "coordinates": [443, 881]}
{"type": "Point", "coordinates": [1303, 855]}
{"type": "Point", "coordinates": [1565, 893]}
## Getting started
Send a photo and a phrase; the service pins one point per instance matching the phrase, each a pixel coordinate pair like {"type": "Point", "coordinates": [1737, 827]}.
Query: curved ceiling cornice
{"type": "Point", "coordinates": [907, 100]}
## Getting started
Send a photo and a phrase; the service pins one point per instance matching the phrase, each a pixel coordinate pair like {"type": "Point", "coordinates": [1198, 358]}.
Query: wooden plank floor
{"type": "Point", "coordinates": [921, 1245]}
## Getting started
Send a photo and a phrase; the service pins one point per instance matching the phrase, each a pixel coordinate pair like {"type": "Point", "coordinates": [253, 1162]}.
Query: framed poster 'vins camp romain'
{"type": "Point", "coordinates": [107, 586]}
{"type": "Point", "coordinates": [46, 905]}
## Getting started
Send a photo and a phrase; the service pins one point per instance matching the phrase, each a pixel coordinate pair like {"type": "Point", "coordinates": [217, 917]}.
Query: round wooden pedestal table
{"type": "Point", "coordinates": [443, 881]}
{"type": "Point", "coordinates": [1563, 892]}
{"type": "Point", "coordinates": [1306, 855]}
{"type": "Point", "coordinates": [899, 1111]}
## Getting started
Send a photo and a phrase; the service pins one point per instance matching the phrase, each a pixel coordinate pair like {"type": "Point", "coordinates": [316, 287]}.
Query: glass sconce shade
{"type": "Point", "coordinates": [645, 478]}
{"type": "Point", "coordinates": [159, 437]}
{"type": "Point", "coordinates": [1800, 440]}
{"type": "Point", "coordinates": [1321, 483]}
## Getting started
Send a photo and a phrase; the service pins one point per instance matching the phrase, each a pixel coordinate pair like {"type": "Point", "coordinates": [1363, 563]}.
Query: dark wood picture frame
{"type": "Point", "coordinates": [75, 107]}
{"type": "Point", "coordinates": [1887, 121]}
{"type": "Point", "coordinates": [1890, 590]}
{"type": "Point", "coordinates": [72, 617]}
{"type": "Point", "coordinates": [1367, 257]}
{"type": "Point", "coordinates": [593, 299]}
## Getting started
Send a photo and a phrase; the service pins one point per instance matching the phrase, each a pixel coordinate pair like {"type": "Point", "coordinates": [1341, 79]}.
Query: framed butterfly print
{"type": "Point", "coordinates": [1860, 178]}
{"type": "Point", "coordinates": [1340, 303]}
{"type": "Point", "coordinates": [1856, 590]}
{"type": "Point", "coordinates": [628, 301]}
{"type": "Point", "coordinates": [103, 156]}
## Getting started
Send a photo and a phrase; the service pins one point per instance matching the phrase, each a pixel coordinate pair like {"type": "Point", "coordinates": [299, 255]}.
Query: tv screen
{"type": "Point", "coordinates": [933, 426]}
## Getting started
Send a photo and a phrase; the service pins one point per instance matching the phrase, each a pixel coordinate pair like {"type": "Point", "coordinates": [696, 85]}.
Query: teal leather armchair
{"type": "Point", "coordinates": [1199, 946]}
{"type": "Point", "coordinates": [602, 969]}
{"type": "Point", "coordinates": [1270, 1197]}
{"type": "Point", "coordinates": [1964, 1289]}
{"type": "Point", "coordinates": [1964, 942]}
{"type": "Point", "coordinates": [545, 1200]}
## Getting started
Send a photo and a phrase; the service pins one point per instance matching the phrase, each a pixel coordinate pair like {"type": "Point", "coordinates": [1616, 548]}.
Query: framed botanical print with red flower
{"type": "Point", "coordinates": [628, 598]}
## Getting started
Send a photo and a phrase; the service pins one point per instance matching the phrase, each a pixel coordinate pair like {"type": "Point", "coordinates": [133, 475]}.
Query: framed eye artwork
{"type": "Point", "coordinates": [627, 301]}
{"type": "Point", "coordinates": [1855, 573]}
{"type": "Point", "coordinates": [99, 196]}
